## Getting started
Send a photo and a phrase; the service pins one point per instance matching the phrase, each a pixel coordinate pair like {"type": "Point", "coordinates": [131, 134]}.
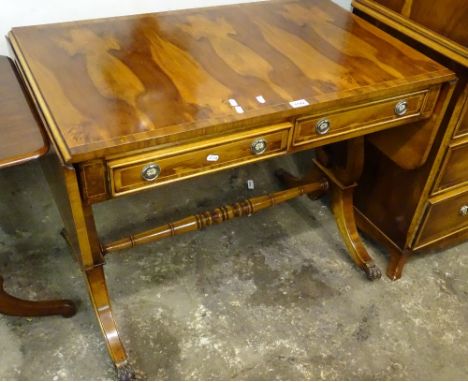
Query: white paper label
{"type": "Point", "coordinates": [260, 99]}
{"type": "Point", "coordinates": [250, 184]}
{"type": "Point", "coordinates": [233, 102]}
{"type": "Point", "coordinates": [212, 158]}
{"type": "Point", "coordinates": [299, 103]}
{"type": "Point", "coordinates": [239, 109]}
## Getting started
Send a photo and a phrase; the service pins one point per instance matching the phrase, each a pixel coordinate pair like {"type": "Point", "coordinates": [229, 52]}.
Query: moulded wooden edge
{"type": "Point", "coordinates": [277, 114]}
{"type": "Point", "coordinates": [369, 228]}
{"type": "Point", "coordinates": [45, 116]}
{"type": "Point", "coordinates": [418, 32]}
{"type": "Point", "coordinates": [440, 188]}
{"type": "Point", "coordinates": [444, 242]}
{"type": "Point", "coordinates": [430, 203]}
{"type": "Point", "coordinates": [30, 155]}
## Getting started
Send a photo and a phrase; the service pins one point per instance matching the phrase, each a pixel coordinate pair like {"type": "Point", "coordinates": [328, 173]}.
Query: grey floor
{"type": "Point", "coordinates": [272, 296]}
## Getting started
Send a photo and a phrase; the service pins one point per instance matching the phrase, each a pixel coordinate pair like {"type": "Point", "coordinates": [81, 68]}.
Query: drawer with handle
{"type": "Point", "coordinates": [454, 169]}
{"type": "Point", "coordinates": [370, 116]}
{"type": "Point", "coordinates": [444, 216]}
{"type": "Point", "coordinates": [163, 166]}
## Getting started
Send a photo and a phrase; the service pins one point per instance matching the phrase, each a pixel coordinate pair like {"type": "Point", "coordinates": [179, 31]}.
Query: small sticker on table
{"type": "Point", "coordinates": [260, 99]}
{"type": "Point", "coordinates": [250, 184]}
{"type": "Point", "coordinates": [239, 109]}
{"type": "Point", "coordinates": [212, 158]}
{"type": "Point", "coordinates": [233, 102]}
{"type": "Point", "coordinates": [299, 103]}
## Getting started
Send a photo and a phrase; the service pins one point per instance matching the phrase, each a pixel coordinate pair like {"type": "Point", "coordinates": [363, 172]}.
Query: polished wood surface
{"type": "Point", "coordinates": [175, 89]}
{"type": "Point", "coordinates": [417, 209]}
{"type": "Point", "coordinates": [454, 169]}
{"type": "Point", "coordinates": [409, 147]}
{"type": "Point", "coordinates": [444, 216]}
{"type": "Point", "coordinates": [21, 136]}
{"type": "Point", "coordinates": [108, 86]}
{"type": "Point", "coordinates": [13, 306]}
{"type": "Point", "coordinates": [462, 129]}
{"type": "Point", "coordinates": [447, 17]}
{"type": "Point", "coordinates": [440, 25]}
{"type": "Point", "coordinates": [207, 156]}
{"type": "Point", "coordinates": [22, 140]}
{"type": "Point", "coordinates": [217, 216]}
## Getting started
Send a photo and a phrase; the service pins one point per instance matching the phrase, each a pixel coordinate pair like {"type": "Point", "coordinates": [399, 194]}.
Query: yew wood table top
{"type": "Point", "coordinates": [113, 85]}
{"type": "Point", "coordinates": [142, 101]}
{"type": "Point", "coordinates": [21, 136]}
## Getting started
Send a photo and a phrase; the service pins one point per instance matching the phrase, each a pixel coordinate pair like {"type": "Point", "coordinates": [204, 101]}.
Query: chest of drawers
{"type": "Point", "coordinates": [436, 211]}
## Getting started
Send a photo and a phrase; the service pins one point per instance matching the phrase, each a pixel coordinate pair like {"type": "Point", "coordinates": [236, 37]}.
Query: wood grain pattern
{"type": "Point", "coordinates": [409, 147]}
{"type": "Point", "coordinates": [22, 136]}
{"type": "Point", "coordinates": [454, 169]}
{"type": "Point", "coordinates": [113, 85]}
{"type": "Point", "coordinates": [217, 216]}
{"type": "Point", "coordinates": [22, 139]}
{"type": "Point", "coordinates": [447, 17]}
{"type": "Point", "coordinates": [186, 161]}
{"type": "Point", "coordinates": [412, 211]}
{"type": "Point", "coordinates": [13, 306]}
{"type": "Point", "coordinates": [462, 128]}
{"type": "Point", "coordinates": [353, 119]}
{"type": "Point", "coordinates": [443, 217]}
{"type": "Point", "coordinates": [439, 25]}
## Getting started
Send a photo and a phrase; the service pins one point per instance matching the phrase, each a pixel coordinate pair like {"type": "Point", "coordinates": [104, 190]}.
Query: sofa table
{"type": "Point", "coordinates": [134, 103]}
{"type": "Point", "coordinates": [22, 140]}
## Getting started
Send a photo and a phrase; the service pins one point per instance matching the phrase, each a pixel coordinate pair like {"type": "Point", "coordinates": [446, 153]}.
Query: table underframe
{"type": "Point", "coordinates": [335, 169]}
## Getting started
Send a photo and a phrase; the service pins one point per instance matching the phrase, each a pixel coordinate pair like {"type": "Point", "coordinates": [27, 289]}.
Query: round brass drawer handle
{"type": "Point", "coordinates": [259, 146]}
{"type": "Point", "coordinates": [150, 172]}
{"type": "Point", "coordinates": [322, 127]}
{"type": "Point", "coordinates": [401, 108]}
{"type": "Point", "coordinates": [464, 210]}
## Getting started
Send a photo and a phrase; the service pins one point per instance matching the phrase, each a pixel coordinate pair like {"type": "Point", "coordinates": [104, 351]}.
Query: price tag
{"type": "Point", "coordinates": [212, 158]}
{"type": "Point", "coordinates": [299, 103]}
{"type": "Point", "coordinates": [233, 102]}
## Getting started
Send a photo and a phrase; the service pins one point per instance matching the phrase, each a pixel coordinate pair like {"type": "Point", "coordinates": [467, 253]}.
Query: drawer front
{"type": "Point", "coordinates": [454, 170]}
{"type": "Point", "coordinates": [377, 114]}
{"type": "Point", "coordinates": [168, 165]}
{"type": "Point", "coordinates": [462, 126]}
{"type": "Point", "coordinates": [444, 217]}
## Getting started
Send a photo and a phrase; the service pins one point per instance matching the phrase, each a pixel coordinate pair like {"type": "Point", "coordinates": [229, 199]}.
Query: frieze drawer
{"type": "Point", "coordinates": [371, 116]}
{"type": "Point", "coordinates": [155, 168]}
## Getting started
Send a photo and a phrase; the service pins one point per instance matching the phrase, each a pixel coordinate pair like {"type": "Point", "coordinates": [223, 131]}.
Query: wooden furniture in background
{"type": "Point", "coordinates": [21, 140]}
{"type": "Point", "coordinates": [427, 207]}
{"type": "Point", "coordinates": [133, 103]}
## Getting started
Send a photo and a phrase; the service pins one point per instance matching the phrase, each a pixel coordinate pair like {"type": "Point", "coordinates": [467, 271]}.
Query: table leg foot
{"type": "Point", "coordinates": [373, 272]}
{"type": "Point", "coordinates": [342, 207]}
{"type": "Point", "coordinates": [125, 372]}
{"type": "Point", "coordinates": [101, 303]}
{"type": "Point", "coordinates": [13, 306]}
{"type": "Point", "coordinates": [396, 264]}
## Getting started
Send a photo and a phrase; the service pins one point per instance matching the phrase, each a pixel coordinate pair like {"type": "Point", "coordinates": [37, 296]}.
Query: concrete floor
{"type": "Point", "coordinates": [273, 296]}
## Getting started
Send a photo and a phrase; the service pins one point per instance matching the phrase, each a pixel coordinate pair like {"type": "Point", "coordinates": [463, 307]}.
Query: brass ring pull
{"type": "Point", "coordinates": [322, 127]}
{"type": "Point", "coordinates": [401, 108]}
{"type": "Point", "coordinates": [259, 146]}
{"type": "Point", "coordinates": [464, 210]}
{"type": "Point", "coordinates": [150, 172]}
